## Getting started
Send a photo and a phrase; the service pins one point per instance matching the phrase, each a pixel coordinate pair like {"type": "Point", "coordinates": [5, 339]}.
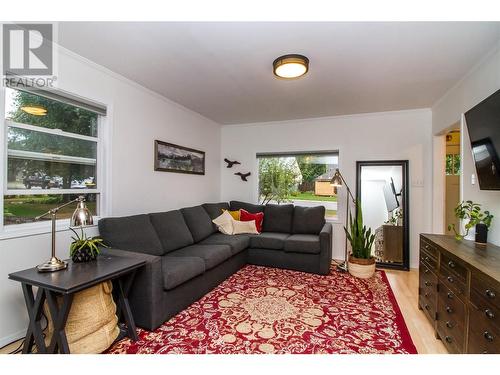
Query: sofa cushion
{"type": "Point", "coordinates": [237, 242]}
{"type": "Point", "coordinates": [212, 255]}
{"type": "Point", "coordinates": [132, 233]}
{"type": "Point", "coordinates": [308, 220]}
{"type": "Point", "coordinates": [214, 210]}
{"type": "Point", "coordinates": [172, 230]}
{"type": "Point", "coordinates": [278, 218]}
{"type": "Point", "coordinates": [269, 240]}
{"type": "Point", "coordinates": [303, 243]}
{"type": "Point", "coordinates": [248, 216]}
{"type": "Point", "coordinates": [178, 270]}
{"type": "Point", "coordinates": [253, 208]}
{"type": "Point", "coordinates": [199, 223]}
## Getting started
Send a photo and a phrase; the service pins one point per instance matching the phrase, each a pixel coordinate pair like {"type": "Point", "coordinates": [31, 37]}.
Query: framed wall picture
{"type": "Point", "coordinates": [179, 159]}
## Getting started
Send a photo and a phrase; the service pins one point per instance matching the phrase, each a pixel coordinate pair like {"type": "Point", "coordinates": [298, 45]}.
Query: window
{"type": "Point", "coordinates": [53, 154]}
{"type": "Point", "coordinates": [453, 164]}
{"type": "Point", "coordinates": [302, 179]}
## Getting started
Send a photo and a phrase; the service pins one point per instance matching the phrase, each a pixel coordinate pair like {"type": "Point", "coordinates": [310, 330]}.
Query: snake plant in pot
{"type": "Point", "coordinates": [83, 248]}
{"type": "Point", "coordinates": [361, 262]}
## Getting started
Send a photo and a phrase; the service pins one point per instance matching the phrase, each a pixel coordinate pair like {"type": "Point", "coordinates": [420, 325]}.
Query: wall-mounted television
{"type": "Point", "coordinates": [390, 196]}
{"type": "Point", "coordinates": [483, 124]}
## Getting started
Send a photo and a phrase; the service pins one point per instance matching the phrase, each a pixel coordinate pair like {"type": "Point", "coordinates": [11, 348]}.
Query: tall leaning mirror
{"type": "Point", "coordinates": [382, 189]}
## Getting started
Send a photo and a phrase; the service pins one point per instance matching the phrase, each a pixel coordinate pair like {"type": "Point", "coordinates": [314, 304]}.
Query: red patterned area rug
{"type": "Point", "coordinates": [269, 310]}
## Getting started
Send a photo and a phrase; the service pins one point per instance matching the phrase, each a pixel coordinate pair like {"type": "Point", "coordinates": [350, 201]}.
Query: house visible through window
{"type": "Point", "coordinates": [52, 155]}
{"type": "Point", "coordinates": [302, 179]}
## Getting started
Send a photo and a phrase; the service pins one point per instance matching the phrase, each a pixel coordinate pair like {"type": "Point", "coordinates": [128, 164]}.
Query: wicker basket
{"type": "Point", "coordinates": [361, 268]}
{"type": "Point", "coordinates": [92, 324]}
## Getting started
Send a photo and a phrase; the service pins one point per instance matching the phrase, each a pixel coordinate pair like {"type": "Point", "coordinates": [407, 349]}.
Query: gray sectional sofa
{"type": "Point", "coordinates": [187, 257]}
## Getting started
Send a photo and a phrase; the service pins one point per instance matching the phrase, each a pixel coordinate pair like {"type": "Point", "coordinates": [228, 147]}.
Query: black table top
{"type": "Point", "coordinates": [79, 276]}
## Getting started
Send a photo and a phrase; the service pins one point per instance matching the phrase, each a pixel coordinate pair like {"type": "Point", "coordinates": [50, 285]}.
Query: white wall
{"type": "Point", "coordinates": [376, 136]}
{"type": "Point", "coordinates": [478, 84]}
{"type": "Point", "coordinates": [137, 117]}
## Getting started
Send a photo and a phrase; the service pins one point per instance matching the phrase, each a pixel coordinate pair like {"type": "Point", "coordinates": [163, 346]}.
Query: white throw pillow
{"type": "Point", "coordinates": [240, 227]}
{"type": "Point", "coordinates": [224, 223]}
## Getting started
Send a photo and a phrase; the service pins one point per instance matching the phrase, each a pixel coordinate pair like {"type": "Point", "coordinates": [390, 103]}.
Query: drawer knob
{"type": "Point", "coordinates": [427, 307]}
{"type": "Point", "coordinates": [450, 279]}
{"type": "Point", "coordinates": [489, 313]}
{"type": "Point", "coordinates": [451, 264]}
{"type": "Point", "coordinates": [426, 270]}
{"type": "Point", "coordinates": [449, 324]}
{"type": "Point", "coordinates": [426, 295]}
{"type": "Point", "coordinates": [490, 293]}
{"type": "Point", "coordinates": [448, 339]}
{"type": "Point", "coordinates": [450, 295]}
{"type": "Point", "coordinates": [428, 283]}
{"type": "Point", "coordinates": [488, 336]}
{"type": "Point", "coordinates": [427, 247]}
{"type": "Point", "coordinates": [449, 309]}
{"type": "Point", "coordinates": [427, 259]}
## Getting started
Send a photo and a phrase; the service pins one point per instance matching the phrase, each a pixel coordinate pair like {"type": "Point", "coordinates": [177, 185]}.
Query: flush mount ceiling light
{"type": "Point", "coordinates": [290, 66]}
{"type": "Point", "coordinates": [35, 110]}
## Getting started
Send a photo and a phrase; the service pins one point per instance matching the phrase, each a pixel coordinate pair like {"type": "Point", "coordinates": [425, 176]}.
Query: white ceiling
{"type": "Point", "coordinates": [224, 70]}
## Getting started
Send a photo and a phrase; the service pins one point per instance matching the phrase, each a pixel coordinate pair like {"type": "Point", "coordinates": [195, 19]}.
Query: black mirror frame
{"type": "Point", "coordinates": [405, 265]}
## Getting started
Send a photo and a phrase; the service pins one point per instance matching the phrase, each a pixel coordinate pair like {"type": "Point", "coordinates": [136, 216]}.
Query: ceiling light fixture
{"type": "Point", "coordinates": [290, 66]}
{"type": "Point", "coordinates": [34, 110]}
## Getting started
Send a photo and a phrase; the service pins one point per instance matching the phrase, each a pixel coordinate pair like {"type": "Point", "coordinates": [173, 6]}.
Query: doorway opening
{"type": "Point", "coordinates": [452, 176]}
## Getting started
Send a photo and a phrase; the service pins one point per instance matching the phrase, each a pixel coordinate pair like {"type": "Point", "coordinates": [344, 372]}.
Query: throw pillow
{"type": "Point", "coordinates": [241, 227]}
{"type": "Point", "coordinates": [234, 214]}
{"type": "Point", "coordinates": [224, 223]}
{"type": "Point", "coordinates": [258, 217]}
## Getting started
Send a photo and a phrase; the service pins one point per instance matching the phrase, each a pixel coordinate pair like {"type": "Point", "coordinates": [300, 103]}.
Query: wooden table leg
{"type": "Point", "coordinates": [34, 334]}
{"type": "Point", "coordinates": [122, 287]}
{"type": "Point", "coordinates": [59, 342]}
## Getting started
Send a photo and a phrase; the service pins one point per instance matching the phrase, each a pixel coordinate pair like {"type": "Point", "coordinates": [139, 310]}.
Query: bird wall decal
{"type": "Point", "coordinates": [231, 163]}
{"type": "Point", "coordinates": [243, 175]}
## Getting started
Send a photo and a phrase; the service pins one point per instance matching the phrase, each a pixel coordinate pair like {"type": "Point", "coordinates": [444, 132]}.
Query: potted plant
{"type": "Point", "coordinates": [83, 248]}
{"type": "Point", "coordinates": [361, 262]}
{"type": "Point", "coordinates": [478, 222]}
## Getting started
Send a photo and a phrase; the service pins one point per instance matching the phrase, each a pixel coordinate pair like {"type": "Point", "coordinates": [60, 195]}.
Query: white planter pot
{"type": "Point", "coordinates": [472, 234]}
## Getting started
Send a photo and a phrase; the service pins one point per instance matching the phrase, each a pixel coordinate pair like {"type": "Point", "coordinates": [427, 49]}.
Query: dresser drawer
{"type": "Point", "coordinates": [484, 291]}
{"type": "Point", "coordinates": [429, 247]}
{"type": "Point", "coordinates": [453, 282]}
{"type": "Point", "coordinates": [484, 312]}
{"type": "Point", "coordinates": [454, 267]}
{"type": "Point", "coordinates": [428, 260]}
{"type": "Point", "coordinates": [482, 337]}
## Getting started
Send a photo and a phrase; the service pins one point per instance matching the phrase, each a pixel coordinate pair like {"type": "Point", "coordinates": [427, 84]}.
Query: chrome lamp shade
{"type": "Point", "coordinates": [336, 179]}
{"type": "Point", "coordinates": [82, 216]}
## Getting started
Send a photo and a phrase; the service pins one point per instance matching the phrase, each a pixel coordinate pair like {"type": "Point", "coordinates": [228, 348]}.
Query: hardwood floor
{"type": "Point", "coordinates": [405, 287]}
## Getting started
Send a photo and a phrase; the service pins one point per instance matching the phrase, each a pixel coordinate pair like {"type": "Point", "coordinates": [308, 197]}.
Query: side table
{"type": "Point", "coordinates": [78, 276]}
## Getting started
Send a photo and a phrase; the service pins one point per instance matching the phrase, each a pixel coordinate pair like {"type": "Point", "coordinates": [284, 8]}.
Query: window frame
{"type": "Point", "coordinates": [102, 164]}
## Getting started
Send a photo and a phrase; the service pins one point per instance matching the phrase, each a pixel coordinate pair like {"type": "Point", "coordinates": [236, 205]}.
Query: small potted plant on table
{"type": "Point", "coordinates": [477, 222]}
{"type": "Point", "coordinates": [83, 248]}
{"type": "Point", "coordinates": [361, 262]}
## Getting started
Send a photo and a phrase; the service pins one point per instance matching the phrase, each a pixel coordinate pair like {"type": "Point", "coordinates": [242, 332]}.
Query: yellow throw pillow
{"type": "Point", "coordinates": [234, 214]}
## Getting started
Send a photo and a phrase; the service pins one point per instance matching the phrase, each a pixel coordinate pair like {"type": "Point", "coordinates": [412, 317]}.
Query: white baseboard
{"type": "Point", "coordinates": [11, 338]}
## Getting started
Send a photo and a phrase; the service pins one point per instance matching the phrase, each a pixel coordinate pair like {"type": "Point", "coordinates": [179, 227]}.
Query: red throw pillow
{"type": "Point", "coordinates": [258, 217]}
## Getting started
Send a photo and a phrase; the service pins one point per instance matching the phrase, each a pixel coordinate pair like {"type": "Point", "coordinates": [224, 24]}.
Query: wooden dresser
{"type": "Point", "coordinates": [459, 291]}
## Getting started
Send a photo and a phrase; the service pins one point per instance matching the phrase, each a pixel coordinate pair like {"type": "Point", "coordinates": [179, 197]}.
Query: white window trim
{"type": "Point", "coordinates": [103, 162]}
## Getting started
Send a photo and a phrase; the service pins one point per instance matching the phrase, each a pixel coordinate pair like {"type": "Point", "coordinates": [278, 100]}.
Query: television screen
{"type": "Point", "coordinates": [391, 199]}
{"type": "Point", "coordinates": [483, 124]}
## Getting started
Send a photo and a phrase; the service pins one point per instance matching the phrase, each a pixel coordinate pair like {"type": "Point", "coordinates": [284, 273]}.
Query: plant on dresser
{"type": "Point", "coordinates": [477, 220]}
{"type": "Point", "coordinates": [459, 286]}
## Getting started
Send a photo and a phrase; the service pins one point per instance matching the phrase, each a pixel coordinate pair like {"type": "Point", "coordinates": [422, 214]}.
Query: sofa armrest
{"type": "Point", "coordinates": [147, 289]}
{"type": "Point", "coordinates": [325, 242]}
